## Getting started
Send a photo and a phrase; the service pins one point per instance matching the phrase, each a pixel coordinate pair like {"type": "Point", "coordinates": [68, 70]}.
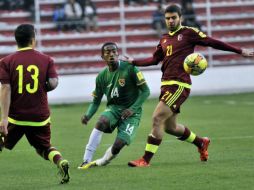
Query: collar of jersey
{"type": "Point", "coordinates": [119, 63]}
{"type": "Point", "coordinates": [172, 33]}
{"type": "Point", "coordinates": [24, 49]}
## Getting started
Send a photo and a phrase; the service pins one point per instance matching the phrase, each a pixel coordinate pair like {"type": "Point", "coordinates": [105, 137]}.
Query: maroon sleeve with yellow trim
{"type": "Point", "coordinates": [4, 74]}
{"type": "Point", "coordinates": [216, 44]}
{"type": "Point", "coordinates": [51, 69]}
{"type": "Point", "coordinates": [199, 38]}
{"type": "Point", "coordinates": [154, 60]}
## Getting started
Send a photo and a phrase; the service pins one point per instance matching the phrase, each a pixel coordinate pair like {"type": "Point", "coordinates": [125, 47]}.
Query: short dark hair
{"type": "Point", "coordinates": [24, 34]}
{"type": "Point", "coordinates": [106, 44]}
{"type": "Point", "coordinates": [174, 8]}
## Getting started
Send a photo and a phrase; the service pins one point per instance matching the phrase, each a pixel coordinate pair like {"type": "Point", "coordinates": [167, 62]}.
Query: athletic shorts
{"type": "Point", "coordinates": [38, 137]}
{"type": "Point", "coordinates": [127, 128]}
{"type": "Point", "coordinates": [173, 96]}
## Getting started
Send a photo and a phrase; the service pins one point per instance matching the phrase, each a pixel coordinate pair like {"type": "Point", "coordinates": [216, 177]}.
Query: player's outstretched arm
{"type": "Point", "coordinates": [143, 62]}
{"type": "Point", "coordinates": [127, 59]}
{"type": "Point", "coordinates": [93, 107]}
{"type": "Point", "coordinates": [247, 52]}
{"type": "Point", "coordinates": [5, 105]}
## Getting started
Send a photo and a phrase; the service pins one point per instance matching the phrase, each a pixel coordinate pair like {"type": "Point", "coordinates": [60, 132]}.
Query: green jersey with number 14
{"type": "Point", "coordinates": [120, 86]}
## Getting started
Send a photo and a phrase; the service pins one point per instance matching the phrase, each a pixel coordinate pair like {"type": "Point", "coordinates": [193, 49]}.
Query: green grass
{"type": "Point", "coordinates": [227, 120]}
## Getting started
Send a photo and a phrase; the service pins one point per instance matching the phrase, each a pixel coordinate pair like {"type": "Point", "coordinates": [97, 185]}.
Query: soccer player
{"type": "Point", "coordinates": [26, 76]}
{"type": "Point", "coordinates": [172, 49]}
{"type": "Point", "coordinates": [126, 90]}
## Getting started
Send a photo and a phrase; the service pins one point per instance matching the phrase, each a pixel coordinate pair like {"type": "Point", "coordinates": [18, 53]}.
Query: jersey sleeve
{"type": "Point", "coordinates": [144, 90]}
{"type": "Point", "coordinates": [154, 60]}
{"type": "Point", "coordinates": [199, 38]}
{"type": "Point", "coordinates": [51, 69]}
{"type": "Point", "coordinates": [98, 93]}
{"type": "Point", "coordinates": [4, 74]}
{"type": "Point", "coordinates": [158, 54]}
{"type": "Point", "coordinates": [97, 96]}
{"type": "Point", "coordinates": [138, 76]}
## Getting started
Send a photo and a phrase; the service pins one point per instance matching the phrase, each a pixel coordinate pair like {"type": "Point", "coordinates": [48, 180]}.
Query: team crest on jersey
{"type": "Point", "coordinates": [121, 82]}
{"type": "Point", "coordinates": [180, 37]}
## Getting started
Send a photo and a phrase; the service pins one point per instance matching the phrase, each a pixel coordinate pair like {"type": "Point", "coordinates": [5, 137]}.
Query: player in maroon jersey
{"type": "Point", "coordinates": [176, 83]}
{"type": "Point", "coordinates": [26, 76]}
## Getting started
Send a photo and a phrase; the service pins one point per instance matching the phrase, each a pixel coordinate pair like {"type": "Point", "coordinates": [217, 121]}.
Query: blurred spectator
{"type": "Point", "coordinates": [12, 4]}
{"type": "Point", "coordinates": [26, 5]}
{"type": "Point", "coordinates": [29, 6]}
{"type": "Point", "coordinates": [82, 4]}
{"type": "Point", "coordinates": [3, 5]}
{"type": "Point", "coordinates": [73, 15]}
{"type": "Point", "coordinates": [134, 2]}
{"type": "Point", "coordinates": [90, 16]}
{"type": "Point", "coordinates": [59, 17]}
{"type": "Point", "coordinates": [159, 20]}
{"type": "Point", "coordinates": [189, 16]}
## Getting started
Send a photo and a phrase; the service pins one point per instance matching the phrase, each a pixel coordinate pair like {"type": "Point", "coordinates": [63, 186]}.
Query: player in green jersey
{"type": "Point", "coordinates": [126, 90]}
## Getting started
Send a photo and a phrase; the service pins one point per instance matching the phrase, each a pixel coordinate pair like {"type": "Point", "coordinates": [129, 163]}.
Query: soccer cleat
{"type": "Point", "coordinates": [204, 149]}
{"type": "Point", "coordinates": [64, 171]}
{"type": "Point", "coordinates": [138, 163]}
{"type": "Point", "coordinates": [85, 165]}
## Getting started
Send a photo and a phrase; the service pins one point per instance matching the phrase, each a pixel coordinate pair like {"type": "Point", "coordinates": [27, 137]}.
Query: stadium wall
{"type": "Point", "coordinates": [218, 80]}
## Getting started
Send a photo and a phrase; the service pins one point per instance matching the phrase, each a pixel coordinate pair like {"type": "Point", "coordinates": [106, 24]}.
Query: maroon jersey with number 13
{"type": "Point", "coordinates": [27, 71]}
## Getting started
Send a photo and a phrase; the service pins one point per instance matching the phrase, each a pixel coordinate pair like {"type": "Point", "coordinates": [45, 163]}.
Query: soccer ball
{"type": "Point", "coordinates": [195, 64]}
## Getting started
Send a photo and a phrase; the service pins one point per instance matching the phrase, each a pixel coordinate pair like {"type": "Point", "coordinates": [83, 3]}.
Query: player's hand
{"type": "Point", "coordinates": [247, 52]}
{"type": "Point", "coordinates": [3, 127]}
{"type": "Point", "coordinates": [84, 119]}
{"type": "Point", "coordinates": [127, 59]}
{"type": "Point", "coordinates": [126, 113]}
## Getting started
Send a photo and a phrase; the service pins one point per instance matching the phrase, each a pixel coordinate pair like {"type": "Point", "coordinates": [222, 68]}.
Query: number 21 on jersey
{"type": "Point", "coordinates": [169, 50]}
{"type": "Point", "coordinates": [30, 88]}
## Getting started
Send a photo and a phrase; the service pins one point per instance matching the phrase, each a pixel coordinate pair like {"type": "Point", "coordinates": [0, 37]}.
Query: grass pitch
{"type": "Point", "coordinates": [228, 120]}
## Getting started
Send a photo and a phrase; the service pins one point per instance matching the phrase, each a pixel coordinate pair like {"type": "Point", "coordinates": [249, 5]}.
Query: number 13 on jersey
{"type": "Point", "coordinates": [34, 72]}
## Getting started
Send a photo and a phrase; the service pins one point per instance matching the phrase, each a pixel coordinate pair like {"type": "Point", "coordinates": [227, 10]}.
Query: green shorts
{"type": "Point", "coordinates": [127, 128]}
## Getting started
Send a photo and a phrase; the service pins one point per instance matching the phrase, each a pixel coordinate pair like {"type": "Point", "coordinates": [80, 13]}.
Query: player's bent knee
{"type": "Point", "coordinates": [102, 125]}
